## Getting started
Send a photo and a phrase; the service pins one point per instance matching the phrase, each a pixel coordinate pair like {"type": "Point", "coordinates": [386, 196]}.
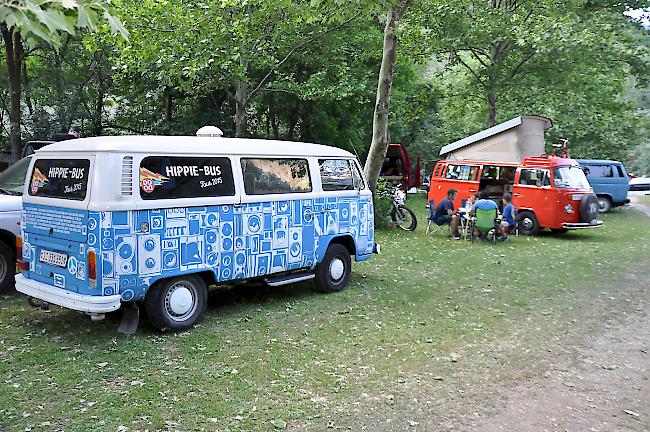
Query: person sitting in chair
{"type": "Point", "coordinates": [446, 214]}
{"type": "Point", "coordinates": [509, 214]}
{"type": "Point", "coordinates": [484, 203]}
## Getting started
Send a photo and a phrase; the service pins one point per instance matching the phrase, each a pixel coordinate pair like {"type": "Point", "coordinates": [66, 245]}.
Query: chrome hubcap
{"type": "Point", "coordinates": [180, 301]}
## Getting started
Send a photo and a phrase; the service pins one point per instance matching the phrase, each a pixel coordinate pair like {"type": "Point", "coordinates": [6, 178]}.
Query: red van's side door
{"type": "Point", "coordinates": [532, 191]}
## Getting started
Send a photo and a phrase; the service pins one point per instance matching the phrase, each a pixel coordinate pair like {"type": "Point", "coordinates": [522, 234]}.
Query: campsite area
{"type": "Point", "coordinates": [439, 335]}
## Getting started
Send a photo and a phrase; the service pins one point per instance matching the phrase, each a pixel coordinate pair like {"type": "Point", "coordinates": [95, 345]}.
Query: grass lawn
{"type": "Point", "coordinates": [266, 358]}
{"type": "Point", "coordinates": [645, 199]}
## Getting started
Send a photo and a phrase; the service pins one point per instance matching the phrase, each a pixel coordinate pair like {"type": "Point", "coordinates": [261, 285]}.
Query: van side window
{"type": "Point", "coordinates": [167, 177]}
{"type": "Point", "coordinates": [437, 170]}
{"type": "Point", "coordinates": [599, 171]}
{"type": "Point", "coordinates": [461, 172]}
{"type": "Point", "coordinates": [619, 168]}
{"type": "Point", "coordinates": [336, 174]}
{"type": "Point", "coordinates": [534, 177]}
{"type": "Point", "coordinates": [275, 176]}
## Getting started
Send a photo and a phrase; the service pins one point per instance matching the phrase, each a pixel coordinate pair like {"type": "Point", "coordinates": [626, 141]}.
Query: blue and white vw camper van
{"type": "Point", "coordinates": [109, 221]}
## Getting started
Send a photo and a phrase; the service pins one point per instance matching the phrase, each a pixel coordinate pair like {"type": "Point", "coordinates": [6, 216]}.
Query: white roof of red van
{"type": "Point", "coordinates": [189, 145]}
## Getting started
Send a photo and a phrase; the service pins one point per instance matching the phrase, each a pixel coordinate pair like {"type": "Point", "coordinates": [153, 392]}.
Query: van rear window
{"type": "Point", "coordinates": [165, 177]}
{"type": "Point", "coordinates": [60, 178]}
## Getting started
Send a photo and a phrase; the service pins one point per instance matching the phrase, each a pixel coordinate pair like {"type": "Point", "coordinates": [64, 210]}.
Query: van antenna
{"type": "Point", "coordinates": [354, 149]}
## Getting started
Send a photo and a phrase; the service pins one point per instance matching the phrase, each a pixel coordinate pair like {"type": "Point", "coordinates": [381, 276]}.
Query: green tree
{"type": "Point", "coordinates": [47, 23]}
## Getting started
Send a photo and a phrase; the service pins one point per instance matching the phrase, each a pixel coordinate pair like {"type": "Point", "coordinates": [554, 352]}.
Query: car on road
{"type": "Point", "coordinates": [640, 186]}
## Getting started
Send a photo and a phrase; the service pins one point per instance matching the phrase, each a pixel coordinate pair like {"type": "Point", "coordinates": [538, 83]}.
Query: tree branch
{"type": "Point", "coordinates": [476, 75]}
{"type": "Point", "coordinates": [521, 63]}
{"type": "Point", "coordinates": [292, 51]}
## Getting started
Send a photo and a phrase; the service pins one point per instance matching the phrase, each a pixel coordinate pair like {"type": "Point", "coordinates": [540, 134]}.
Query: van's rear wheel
{"type": "Point", "coordinates": [7, 268]}
{"type": "Point", "coordinates": [176, 304]}
{"type": "Point", "coordinates": [528, 224]}
{"type": "Point", "coordinates": [333, 273]}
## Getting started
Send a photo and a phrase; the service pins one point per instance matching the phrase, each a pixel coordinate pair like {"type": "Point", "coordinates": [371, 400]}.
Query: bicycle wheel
{"type": "Point", "coordinates": [405, 218]}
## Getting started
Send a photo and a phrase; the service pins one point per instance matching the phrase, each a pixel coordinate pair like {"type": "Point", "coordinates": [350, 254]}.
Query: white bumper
{"type": "Point", "coordinates": [67, 299]}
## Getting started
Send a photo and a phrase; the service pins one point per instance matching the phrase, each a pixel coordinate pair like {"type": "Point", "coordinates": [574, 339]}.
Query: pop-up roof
{"type": "Point", "coordinates": [511, 141]}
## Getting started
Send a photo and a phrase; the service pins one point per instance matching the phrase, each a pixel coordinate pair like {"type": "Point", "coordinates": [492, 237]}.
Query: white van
{"type": "Point", "coordinates": [110, 221]}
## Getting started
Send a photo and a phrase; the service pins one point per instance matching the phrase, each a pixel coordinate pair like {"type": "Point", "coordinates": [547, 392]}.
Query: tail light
{"type": "Point", "coordinates": [92, 268]}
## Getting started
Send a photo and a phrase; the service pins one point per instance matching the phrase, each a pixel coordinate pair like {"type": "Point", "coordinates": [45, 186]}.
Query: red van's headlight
{"type": "Point", "coordinates": [568, 208]}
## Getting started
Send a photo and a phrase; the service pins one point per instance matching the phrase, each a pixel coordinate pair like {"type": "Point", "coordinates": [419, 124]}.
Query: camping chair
{"type": "Point", "coordinates": [484, 221]}
{"type": "Point", "coordinates": [436, 228]}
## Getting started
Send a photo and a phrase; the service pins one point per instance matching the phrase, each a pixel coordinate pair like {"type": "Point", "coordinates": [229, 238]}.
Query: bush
{"type": "Point", "coordinates": [383, 202]}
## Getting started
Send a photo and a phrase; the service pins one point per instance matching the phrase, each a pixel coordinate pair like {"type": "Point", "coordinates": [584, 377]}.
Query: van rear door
{"type": "Point", "coordinates": [55, 222]}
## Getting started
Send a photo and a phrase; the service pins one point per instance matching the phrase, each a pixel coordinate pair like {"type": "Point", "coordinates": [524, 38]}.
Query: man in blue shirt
{"type": "Point", "coordinates": [484, 203]}
{"type": "Point", "coordinates": [509, 213]}
{"type": "Point", "coordinates": [446, 214]}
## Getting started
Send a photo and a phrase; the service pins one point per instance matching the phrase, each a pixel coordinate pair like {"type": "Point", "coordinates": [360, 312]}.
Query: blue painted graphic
{"type": "Point", "coordinates": [136, 248]}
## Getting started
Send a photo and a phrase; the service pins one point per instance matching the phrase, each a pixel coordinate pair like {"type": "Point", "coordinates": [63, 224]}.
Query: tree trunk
{"type": "Point", "coordinates": [13, 49]}
{"type": "Point", "coordinates": [241, 120]}
{"type": "Point", "coordinates": [379, 143]}
{"type": "Point", "coordinates": [274, 123]}
{"type": "Point", "coordinates": [492, 108]}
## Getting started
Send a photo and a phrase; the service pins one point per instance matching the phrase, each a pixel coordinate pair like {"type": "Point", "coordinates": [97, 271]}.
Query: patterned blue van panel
{"type": "Point", "coordinates": [47, 229]}
{"type": "Point", "coordinates": [136, 248]}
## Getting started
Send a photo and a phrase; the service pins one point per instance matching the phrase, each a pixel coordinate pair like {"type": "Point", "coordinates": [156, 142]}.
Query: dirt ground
{"type": "Point", "coordinates": [587, 371]}
{"type": "Point", "coordinates": [603, 384]}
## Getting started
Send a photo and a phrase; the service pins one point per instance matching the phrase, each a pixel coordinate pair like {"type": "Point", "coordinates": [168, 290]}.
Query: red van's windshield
{"type": "Point", "coordinates": [570, 177]}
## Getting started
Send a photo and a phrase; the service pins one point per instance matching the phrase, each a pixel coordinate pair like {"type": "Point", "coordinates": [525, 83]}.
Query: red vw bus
{"type": "Point", "coordinates": [548, 191]}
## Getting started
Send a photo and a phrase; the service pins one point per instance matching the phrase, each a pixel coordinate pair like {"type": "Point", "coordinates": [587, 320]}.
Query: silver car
{"type": "Point", "coordinates": [11, 191]}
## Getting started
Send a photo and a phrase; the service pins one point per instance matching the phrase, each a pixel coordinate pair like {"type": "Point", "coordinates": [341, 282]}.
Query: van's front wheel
{"type": "Point", "coordinates": [176, 304]}
{"type": "Point", "coordinates": [333, 273]}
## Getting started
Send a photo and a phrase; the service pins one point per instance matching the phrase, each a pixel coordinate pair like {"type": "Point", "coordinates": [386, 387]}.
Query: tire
{"type": "Point", "coordinates": [528, 224]}
{"type": "Point", "coordinates": [333, 273]}
{"type": "Point", "coordinates": [404, 218]}
{"type": "Point", "coordinates": [604, 204]}
{"type": "Point", "coordinates": [7, 268]}
{"type": "Point", "coordinates": [167, 303]}
{"type": "Point", "coordinates": [589, 208]}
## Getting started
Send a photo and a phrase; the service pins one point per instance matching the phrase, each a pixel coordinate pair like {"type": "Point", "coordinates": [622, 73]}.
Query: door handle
{"type": "Point", "coordinates": [472, 190]}
{"type": "Point", "coordinates": [517, 194]}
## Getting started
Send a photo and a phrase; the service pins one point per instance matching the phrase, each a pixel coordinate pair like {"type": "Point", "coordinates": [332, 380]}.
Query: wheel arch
{"type": "Point", "coordinates": [346, 240]}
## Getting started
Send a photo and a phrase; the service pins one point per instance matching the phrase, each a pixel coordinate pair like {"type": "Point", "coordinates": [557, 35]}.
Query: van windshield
{"type": "Point", "coordinates": [570, 177]}
{"type": "Point", "coordinates": [60, 178]}
{"type": "Point", "coordinates": [12, 179]}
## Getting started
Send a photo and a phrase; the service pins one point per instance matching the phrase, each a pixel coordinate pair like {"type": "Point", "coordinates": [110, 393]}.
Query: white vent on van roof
{"type": "Point", "coordinates": [126, 185]}
{"type": "Point", "coordinates": [209, 131]}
